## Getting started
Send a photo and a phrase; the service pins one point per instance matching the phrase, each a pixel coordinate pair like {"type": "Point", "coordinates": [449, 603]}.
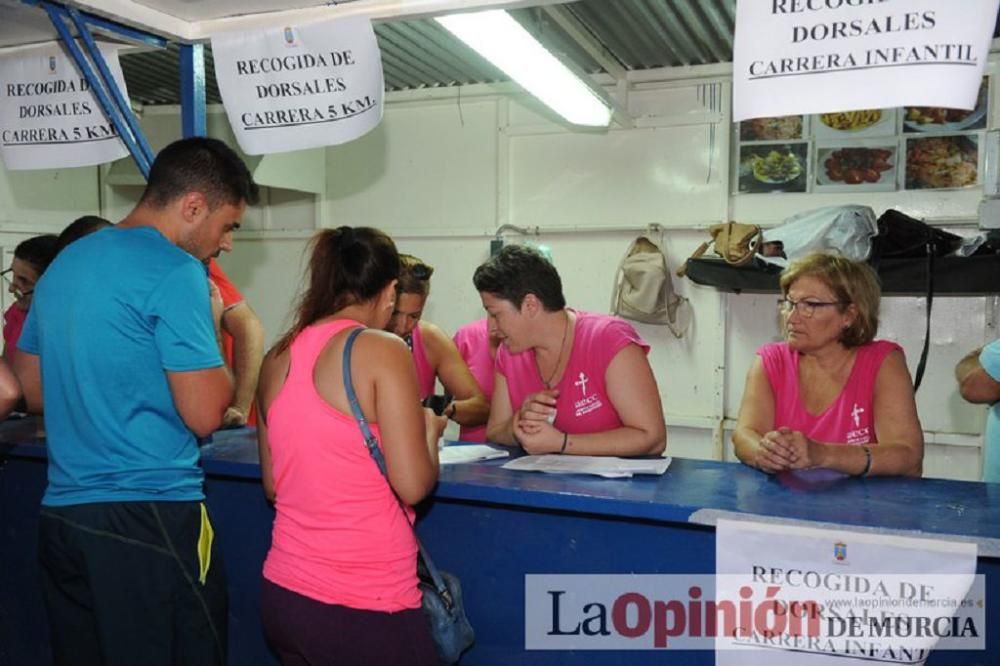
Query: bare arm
{"type": "Point", "coordinates": [10, 389]}
{"type": "Point", "coordinates": [264, 453]}
{"type": "Point", "coordinates": [201, 397]}
{"type": "Point", "coordinates": [28, 369]}
{"type": "Point", "coordinates": [634, 395]}
{"type": "Point", "coordinates": [242, 323]}
{"type": "Point", "coordinates": [499, 427]}
{"type": "Point", "coordinates": [755, 420]}
{"type": "Point", "coordinates": [409, 439]}
{"type": "Point", "coordinates": [974, 383]}
{"type": "Point", "coordinates": [900, 450]}
{"type": "Point", "coordinates": [469, 405]}
{"type": "Point", "coordinates": [273, 371]}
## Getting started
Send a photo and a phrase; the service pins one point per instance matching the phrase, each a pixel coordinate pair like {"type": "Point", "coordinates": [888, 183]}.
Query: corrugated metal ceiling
{"type": "Point", "coordinates": [640, 34]}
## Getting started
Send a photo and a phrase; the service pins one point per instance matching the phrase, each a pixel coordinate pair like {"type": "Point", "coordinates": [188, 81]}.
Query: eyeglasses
{"type": "Point", "coordinates": [20, 286]}
{"type": "Point", "coordinates": [421, 272]}
{"type": "Point", "coordinates": [806, 308]}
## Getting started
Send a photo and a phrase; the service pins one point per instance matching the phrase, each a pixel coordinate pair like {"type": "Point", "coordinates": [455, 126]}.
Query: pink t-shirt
{"type": "Point", "coordinates": [425, 373]}
{"type": "Point", "coordinates": [583, 405]}
{"type": "Point", "coordinates": [13, 322]}
{"type": "Point", "coordinates": [851, 417]}
{"type": "Point", "coordinates": [339, 536]}
{"type": "Point", "coordinates": [473, 341]}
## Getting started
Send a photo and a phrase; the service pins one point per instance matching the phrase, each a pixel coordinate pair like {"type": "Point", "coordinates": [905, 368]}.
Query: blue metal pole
{"type": "Point", "coordinates": [193, 117]}
{"type": "Point", "coordinates": [109, 109]}
{"type": "Point", "coordinates": [114, 28]}
{"type": "Point", "coordinates": [109, 81]}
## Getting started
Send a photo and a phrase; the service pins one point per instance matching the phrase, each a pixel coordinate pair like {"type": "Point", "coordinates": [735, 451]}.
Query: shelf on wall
{"type": "Point", "coordinates": [954, 276]}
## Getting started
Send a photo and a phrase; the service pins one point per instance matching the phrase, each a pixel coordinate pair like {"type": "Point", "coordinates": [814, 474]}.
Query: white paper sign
{"type": "Point", "coordinates": [816, 56]}
{"type": "Point", "coordinates": [840, 598]}
{"type": "Point", "coordinates": [49, 117]}
{"type": "Point", "coordinates": [291, 88]}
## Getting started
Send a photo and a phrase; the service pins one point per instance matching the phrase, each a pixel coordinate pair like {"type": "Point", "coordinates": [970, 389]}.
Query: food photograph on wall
{"type": "Point", "coordinates": [927, 119]}
{"type": "Point", "coordinates": [774, 167]}
{"type": "Point", "coordinates": [868, 150]}
{"type": "Point", "coordinates": [942, 162]}
{"type": "Point", "coordinates": [858, 166]}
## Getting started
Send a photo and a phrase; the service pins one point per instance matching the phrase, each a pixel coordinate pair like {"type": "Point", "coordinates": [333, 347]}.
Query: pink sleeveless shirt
{"type": "Point", "coordinates": [583, 405]}
{"type": "Point", "coordinates": [851, 417]}
{"type": "Point", "coordinates": [473, 341]}
{"type": "Point", "coordinates": [425, 373]}
{"type": "Point", "coordinates": [339, 536]}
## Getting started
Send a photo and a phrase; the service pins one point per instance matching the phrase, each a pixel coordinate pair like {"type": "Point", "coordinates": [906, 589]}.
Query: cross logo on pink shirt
{"type": "Point", "coordinates": [582, 383]}
{"type": "Point", "coordinates": [856, 413]}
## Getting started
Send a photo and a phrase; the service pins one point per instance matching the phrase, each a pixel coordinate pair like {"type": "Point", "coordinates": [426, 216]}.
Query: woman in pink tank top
{"type": "Point", "coordinates": [340, 579]}
{"type": "Point", "coordinates": [435, 356]}
{"type": "Point", "coordinates": [831, 396]}
{"type": "Point", "coordinates": [566, 381]}
{"type": "Point", "coordinates": [478, 349]}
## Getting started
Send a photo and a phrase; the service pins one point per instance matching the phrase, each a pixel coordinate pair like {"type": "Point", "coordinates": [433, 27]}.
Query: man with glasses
{"type": "Point", "coordinates": [121, 339]}
{"type": "Point", "coordinates": [31, 258]}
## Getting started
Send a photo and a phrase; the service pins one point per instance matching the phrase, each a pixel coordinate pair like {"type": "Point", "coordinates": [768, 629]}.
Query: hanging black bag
{"type": "Point", "coordinates": [442, 594]}
{"type": "Point", "coordinates": [903, 237]}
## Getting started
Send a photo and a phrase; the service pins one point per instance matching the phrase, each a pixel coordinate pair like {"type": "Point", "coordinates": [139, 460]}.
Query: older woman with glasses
{"type": "Point", "coordinates": [831, 395]}
{"type": "Point", "coordinates": [31, 258]}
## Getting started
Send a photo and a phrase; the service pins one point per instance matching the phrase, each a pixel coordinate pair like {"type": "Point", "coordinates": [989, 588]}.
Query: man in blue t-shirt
{"type": "Point", "coordinates": [121, 341]}
{"type": "Point", "coordinates": [978, 376]}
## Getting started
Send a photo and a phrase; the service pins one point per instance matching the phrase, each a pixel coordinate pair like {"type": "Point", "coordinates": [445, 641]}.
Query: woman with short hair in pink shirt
{"type": "Point", "coordinates": [340, 579]}
{"type": "Point", "coordinates": [831, 395]}
{"type": "Point", "coordinates": [566, 381]}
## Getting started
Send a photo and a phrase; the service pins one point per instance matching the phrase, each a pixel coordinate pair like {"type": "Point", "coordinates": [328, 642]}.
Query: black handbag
{"type": "Point", "coordinates": [440, 590]}
{"type": "Point", "coordinates": [903, 237]}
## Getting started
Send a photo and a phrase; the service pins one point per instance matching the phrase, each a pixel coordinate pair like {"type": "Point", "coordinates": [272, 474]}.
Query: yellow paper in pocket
{"type": "Point", "coordinates": [205, 539]}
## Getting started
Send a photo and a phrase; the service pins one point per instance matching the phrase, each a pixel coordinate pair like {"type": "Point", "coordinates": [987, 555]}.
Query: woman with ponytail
{"type": "Point", "coordinates": [340, 580]}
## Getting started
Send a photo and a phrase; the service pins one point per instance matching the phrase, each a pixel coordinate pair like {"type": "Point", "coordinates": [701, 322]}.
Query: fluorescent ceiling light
{"type": "Point", "coordinates": [505, 43]}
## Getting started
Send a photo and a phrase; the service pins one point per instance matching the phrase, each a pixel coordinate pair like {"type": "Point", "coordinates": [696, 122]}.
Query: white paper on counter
{"type": "Point", "coordinates": [606, 466]}
{"type": "Point", "coordinates": [466, 453]}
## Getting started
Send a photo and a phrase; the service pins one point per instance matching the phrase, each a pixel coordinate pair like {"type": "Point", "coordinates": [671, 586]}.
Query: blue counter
{"type": "Point", "coordinates": [491, 526]}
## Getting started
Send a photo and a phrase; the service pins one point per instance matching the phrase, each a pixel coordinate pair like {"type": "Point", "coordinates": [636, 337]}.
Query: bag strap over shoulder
{"type": "Point", "coordinates": [371, 442]}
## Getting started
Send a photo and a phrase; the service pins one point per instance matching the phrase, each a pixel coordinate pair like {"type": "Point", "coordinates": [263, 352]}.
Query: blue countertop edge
{"type": "Point", "coordinates": [694, 492]}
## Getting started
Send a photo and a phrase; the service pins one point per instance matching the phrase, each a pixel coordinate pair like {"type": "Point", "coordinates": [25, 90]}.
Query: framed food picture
{"type": "Point", "coordinates": [852, 125]}
{"type": "Point", "coordinates": [779, 128]}
{"type": "Point", "coordinates": [860, 166]}
{"type": "Point", "coordinates": [935, 119]}
{"type": "Point", "coordinates": [774, 167]}
{"type": "Point", "coordinates": [937, 162]}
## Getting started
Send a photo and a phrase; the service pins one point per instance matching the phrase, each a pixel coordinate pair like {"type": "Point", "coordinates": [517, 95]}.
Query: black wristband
{"type": "Point", "coordinates": [565, 442]}
{"type": "Point", "coordinates": [868, 461]}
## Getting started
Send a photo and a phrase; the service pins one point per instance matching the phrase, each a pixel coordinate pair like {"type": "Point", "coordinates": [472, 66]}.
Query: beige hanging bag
{"type": "Point", "coordinates": [644, 292]}
{"type": "Point", "coordinates": [735, 242]}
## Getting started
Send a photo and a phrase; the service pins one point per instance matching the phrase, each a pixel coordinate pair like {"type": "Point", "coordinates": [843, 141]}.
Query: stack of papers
{"type": "Point", "coordinates": [606, 466]}
{"type": "Point", "coordinates": [466, 453]}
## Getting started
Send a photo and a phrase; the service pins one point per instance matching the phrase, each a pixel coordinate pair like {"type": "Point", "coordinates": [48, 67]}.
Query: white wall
{"type": "Point", "coordinates": [441, 173]}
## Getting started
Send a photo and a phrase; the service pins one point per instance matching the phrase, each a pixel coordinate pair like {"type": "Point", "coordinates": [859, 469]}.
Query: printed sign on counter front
{"type": "Point", "coordinates": [291, 88]}
{"type": "Point", "coordinates": [49, 117]}
{"type": "Point", "coordinates": [821, 56]}
{"type": "Point", "coordinates": [839, 597]}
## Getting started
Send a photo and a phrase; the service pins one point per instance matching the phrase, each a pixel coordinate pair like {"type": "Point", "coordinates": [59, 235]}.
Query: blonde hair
{"type": "Point", "coordinates": [852, 282]}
